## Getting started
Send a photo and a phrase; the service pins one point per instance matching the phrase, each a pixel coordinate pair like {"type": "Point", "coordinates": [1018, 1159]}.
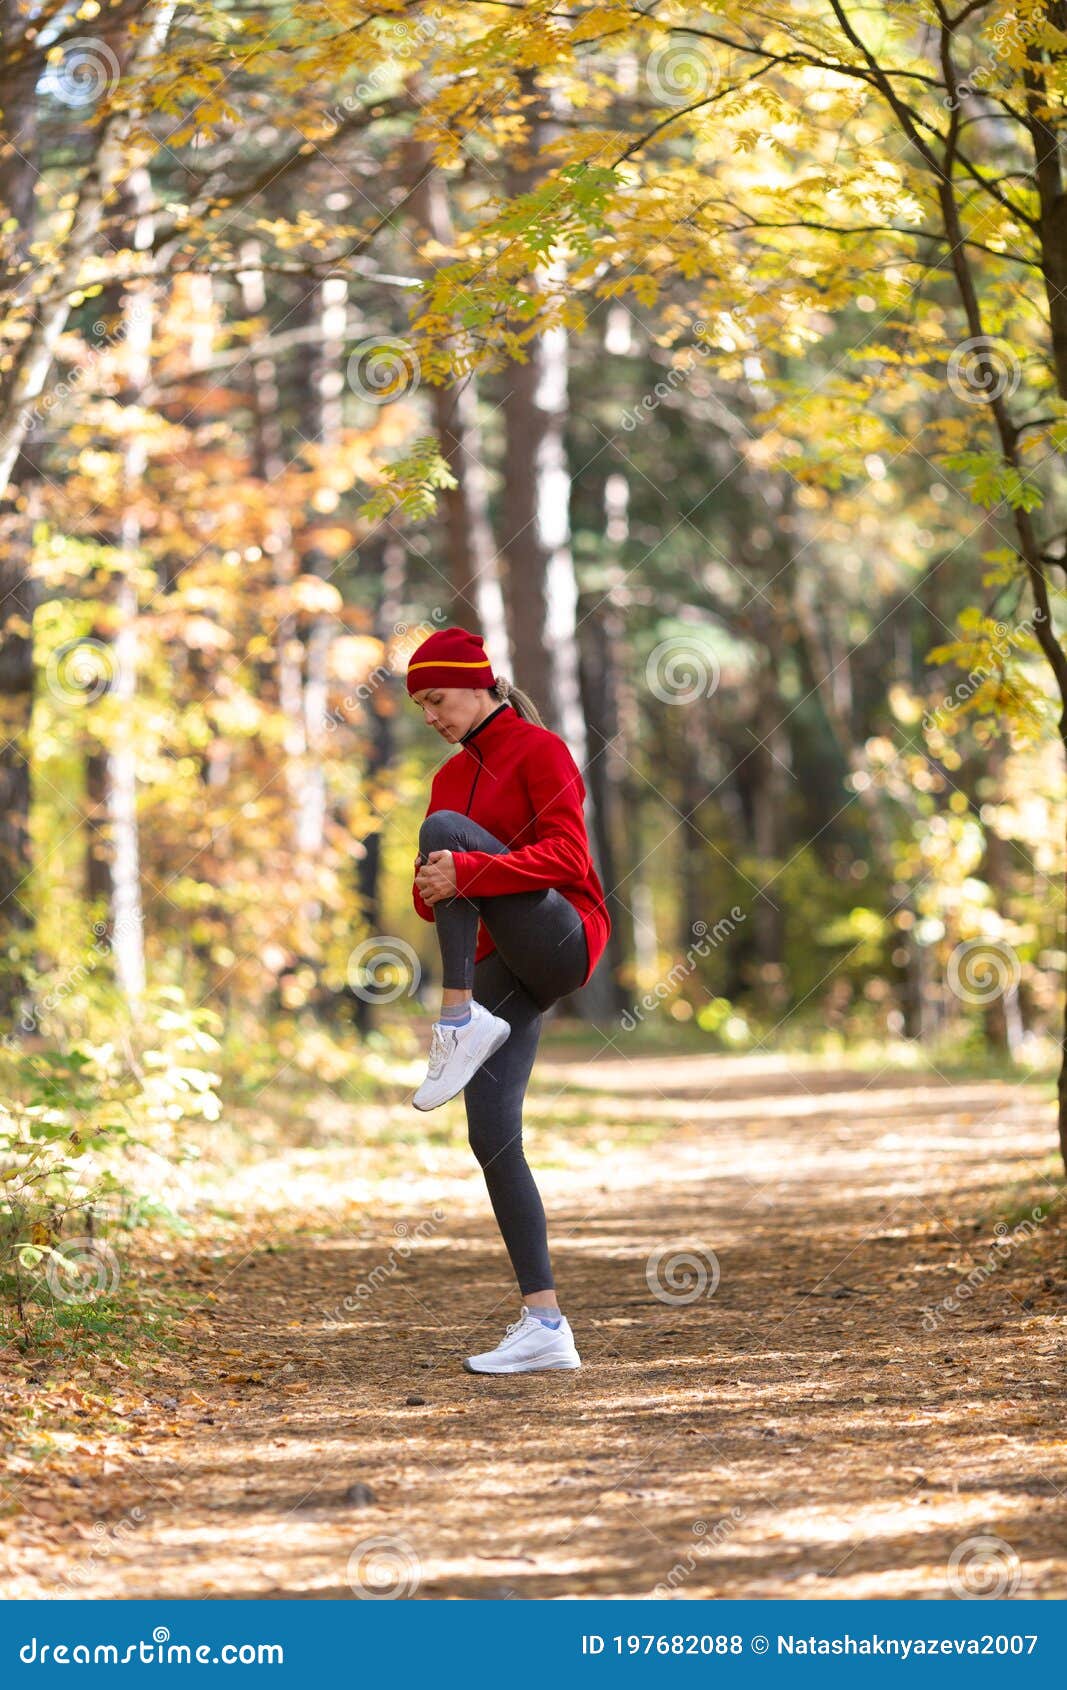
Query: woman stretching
{"type": "Point", "coordinates": [504, 871]}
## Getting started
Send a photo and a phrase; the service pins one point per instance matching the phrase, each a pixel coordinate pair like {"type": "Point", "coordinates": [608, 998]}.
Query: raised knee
{"type": "Point", "coordinates": [437, 829]}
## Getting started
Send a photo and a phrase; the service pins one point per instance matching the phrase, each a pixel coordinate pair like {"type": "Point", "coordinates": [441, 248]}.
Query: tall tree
{"type": "Point", "coordinates": [473, 561]}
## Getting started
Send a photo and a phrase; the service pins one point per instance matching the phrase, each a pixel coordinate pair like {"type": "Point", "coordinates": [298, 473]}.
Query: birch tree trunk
{"type": "Point", "coordinates": [127, 918]}
{"type": "Point", "coordinates": [18, 592]}
{"type": "Point", "coordinates": [311, 812]}
{"type": "Point", "coordinates": [269, 457]}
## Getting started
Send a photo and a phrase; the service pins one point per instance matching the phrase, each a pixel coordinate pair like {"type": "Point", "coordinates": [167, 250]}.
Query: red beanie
{"type": "Point", "coordinates": [451, 657]}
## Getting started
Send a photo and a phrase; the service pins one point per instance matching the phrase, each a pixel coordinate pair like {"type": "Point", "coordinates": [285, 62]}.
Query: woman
{"type": "Point", "coordinates": [504, 871]}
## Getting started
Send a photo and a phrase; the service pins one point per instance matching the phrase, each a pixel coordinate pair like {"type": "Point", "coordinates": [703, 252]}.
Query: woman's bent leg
{"type": "Point", "coordinates": [539, 935]}
{"type": "Point", "coordinates": [494, 1098]}
{"type": "Point", "coordinates": [456, 919]}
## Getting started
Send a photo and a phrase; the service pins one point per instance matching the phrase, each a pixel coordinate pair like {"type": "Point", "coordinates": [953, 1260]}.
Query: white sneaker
{"type": "Point", "coordinates": [528, 1346]}
{"type": "Point", "coordinates": [458, 1052]}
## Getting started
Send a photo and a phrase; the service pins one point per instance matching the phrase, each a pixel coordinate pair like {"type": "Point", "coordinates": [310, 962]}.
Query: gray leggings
{"type": "Point", "coordinates": [540, 956]}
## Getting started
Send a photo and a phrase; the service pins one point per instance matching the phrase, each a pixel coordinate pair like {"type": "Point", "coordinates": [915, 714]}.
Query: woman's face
{"type": "Point", "coordinates": [451, 711]}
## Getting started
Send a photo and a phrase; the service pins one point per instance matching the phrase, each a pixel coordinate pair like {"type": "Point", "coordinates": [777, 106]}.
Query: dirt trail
{"type": "Point", "coordinates": [780, 1419]}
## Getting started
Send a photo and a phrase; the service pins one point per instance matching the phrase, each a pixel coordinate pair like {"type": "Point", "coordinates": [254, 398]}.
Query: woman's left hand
{"type": "Point", "coordinates": [437, 879]}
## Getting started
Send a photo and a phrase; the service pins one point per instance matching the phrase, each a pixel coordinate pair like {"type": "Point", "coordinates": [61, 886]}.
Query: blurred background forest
{"type": "Point", "coordinates": [710, 366]}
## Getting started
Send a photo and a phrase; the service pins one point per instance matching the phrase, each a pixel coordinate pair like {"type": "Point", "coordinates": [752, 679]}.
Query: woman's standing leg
{"type": "Point", "coordinates": [494, 1099]}
{"type": "Point", "coordinates": [541, 1338]}
{"type": "Point", "coordinates": [541, 954]}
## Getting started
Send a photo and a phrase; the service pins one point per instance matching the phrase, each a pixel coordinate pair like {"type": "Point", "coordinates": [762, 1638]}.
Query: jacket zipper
{"type": "Point", "coordinates": [477, 772]}
{"type": "Point", "coordinates": [476, 751]}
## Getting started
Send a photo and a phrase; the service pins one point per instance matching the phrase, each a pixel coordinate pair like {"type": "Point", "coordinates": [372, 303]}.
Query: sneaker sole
{"type": "Point", "coordinates": [527, 1367]}
{"type": "Point", "coordinates": [497, 1041]}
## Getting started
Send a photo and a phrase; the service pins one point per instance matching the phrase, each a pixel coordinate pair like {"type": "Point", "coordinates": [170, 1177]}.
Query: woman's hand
{"type": "Point", "coordinates": [437, 878]}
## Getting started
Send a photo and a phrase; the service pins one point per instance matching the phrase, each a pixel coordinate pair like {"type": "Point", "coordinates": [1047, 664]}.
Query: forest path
{"type": "Point", "coordinates": [785, 1424]}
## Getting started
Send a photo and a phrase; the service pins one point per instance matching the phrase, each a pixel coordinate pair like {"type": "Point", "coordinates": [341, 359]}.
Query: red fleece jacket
{"type": "Point", "coordinates": [520, 781]}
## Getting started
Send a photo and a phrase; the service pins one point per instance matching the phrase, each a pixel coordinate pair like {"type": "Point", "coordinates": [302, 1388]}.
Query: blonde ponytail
{"type": "Point", "coordinates": [521, 701]}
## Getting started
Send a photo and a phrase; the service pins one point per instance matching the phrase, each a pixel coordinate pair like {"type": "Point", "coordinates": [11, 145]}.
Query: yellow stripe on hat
{"type": "Point", "coordinates": [449, 663]}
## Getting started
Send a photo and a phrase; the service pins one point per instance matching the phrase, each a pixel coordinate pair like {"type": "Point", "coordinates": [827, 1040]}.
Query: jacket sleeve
{"type": "Point", "coordinates": [560, 852]}
{"type": "Point", "coordinates": [424, 909]}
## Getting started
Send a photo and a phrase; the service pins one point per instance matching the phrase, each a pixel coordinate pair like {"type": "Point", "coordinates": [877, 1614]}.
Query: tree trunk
{"type": "Point", "coordinates": [205, 675]}
{"type": "Point", "coordinates": [325, 424]}
{"type": "Point", "coordinates": [542, 588]}
{"type": "Point", "coordinates": [541, 584]}
{"type": "Point", "coordinates": [97, 854]}
{"type": "Point", "coordinates": [380, 711]}
{"type": "Point", "coordinates": [693, 790]}
{"type": "Point", "coordinates": [770, 775]}
{"type": "Point", "coordinates": [1047, 175]}
{"type": "Point", "coordinates": [604, 663]}
{"type": "Point", "coordinates": [602, 637]}
{"type": "Point", "coordinates": [127, 919]}
{"type": "Point", "coordinates": [18, 591]}
{"type": "Point", "coordinates": [18, 599]}
{"type": "Point", "coordinates": [329, 384]}
{"type": "Point", "coordinates": [473, 564]}
{"type": "Point", "coordinates": [269, 459]}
